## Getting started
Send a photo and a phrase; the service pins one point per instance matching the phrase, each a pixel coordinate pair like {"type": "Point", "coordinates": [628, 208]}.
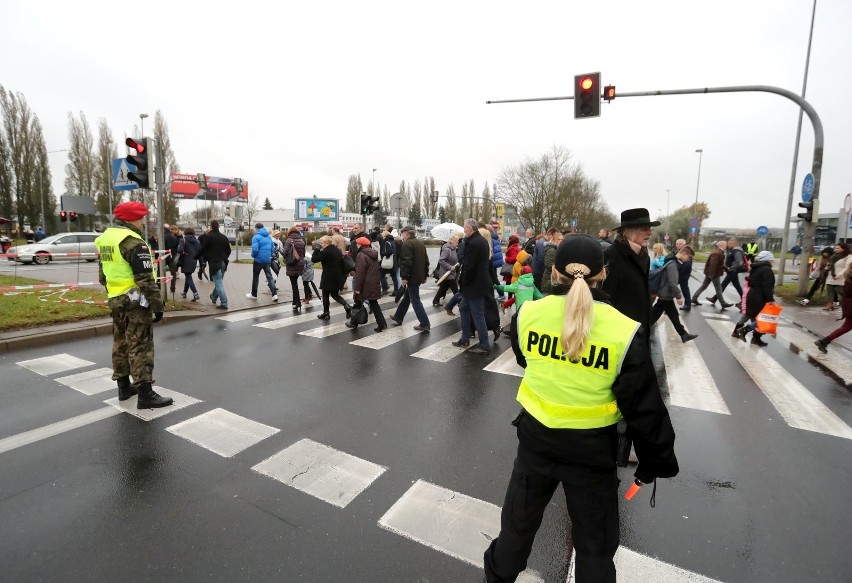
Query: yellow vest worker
{"type": "Point", "coordinates": [126, 269]}
{"type": "Point", "coordinates": [586, 366]}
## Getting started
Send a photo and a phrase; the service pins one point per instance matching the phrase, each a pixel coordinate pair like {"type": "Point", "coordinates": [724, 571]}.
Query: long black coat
{"type": "Point", "coordinates": [476, 267]}
{"type": "Point", "coordinates": [761, 284]}
{"type": "Point", "coordinates": [188, 252]}
{"type": "Point", "coordinates": [626, 283]}
{"type": "Point", "coordinates": [332, 267]}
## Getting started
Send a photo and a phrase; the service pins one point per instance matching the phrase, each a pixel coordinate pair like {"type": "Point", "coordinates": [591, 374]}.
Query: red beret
{"type": "Point", "coordinates": [362, 242]}
{"type": "Point", "coordinates": [130, 211]}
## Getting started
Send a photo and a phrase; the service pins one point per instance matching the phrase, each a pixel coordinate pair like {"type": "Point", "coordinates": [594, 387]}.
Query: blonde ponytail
{"type": "Point", "coordinates": [579, 308]}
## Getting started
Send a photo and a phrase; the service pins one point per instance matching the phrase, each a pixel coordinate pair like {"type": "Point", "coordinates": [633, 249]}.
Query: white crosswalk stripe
{"type": "Point", "coordinates": [796, 404]}
{"type": "Point", "coordinates": [327, 330]}
{"type": "Point", "coordinates": [441, 351]}
{"type": "Point", "coordinates": [396, 333]}
{"type": "Point", "coordinates": [54, 364]}
{"type": "Point", "coordinates": [838, 364]}
{"type": "Point", "coordinates": [506, 364]}
{"type": "Point", "coordinates": [689, 380]}
{"type": "Point", "coordinates": [222, 432]}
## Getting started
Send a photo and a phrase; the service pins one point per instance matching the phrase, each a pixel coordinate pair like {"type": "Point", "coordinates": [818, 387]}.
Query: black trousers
{"type": "Point", "coordinates": [667, 306]}
{"type": "Point", "coordinates": [592, 498]}
{"type": "Point", "coordinates": [334, 294]}
{"type": "Point", "coordinates": [442, 289]}
{"type": "Point", "coordinates": [294, 284]}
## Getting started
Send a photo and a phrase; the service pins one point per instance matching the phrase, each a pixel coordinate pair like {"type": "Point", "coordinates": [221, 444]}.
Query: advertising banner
{"type": "Point", "coordinates": [316, 209]}
{"type": "Point", "coordinates": [185, 186]}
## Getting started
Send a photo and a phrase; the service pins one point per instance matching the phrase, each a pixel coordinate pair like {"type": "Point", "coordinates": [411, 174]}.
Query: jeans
{"type": "Point", "coordinates": [472, 310]}
{"type": "Point", "coordinates": [454, 301]}
{"type": "Point", "coordinates": [412, 296]}
{"type": "Point", "coordinates": [219, 288]}
{"type": "Point", "coordinates": [255, 276]}
{"type": "Point", "coordinates": [734, 279]}
{"type": "Point", "coordinates": [188, 283]}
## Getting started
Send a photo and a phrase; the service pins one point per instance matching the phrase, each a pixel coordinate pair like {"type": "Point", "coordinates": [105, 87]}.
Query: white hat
{"type": "Point", "coordinates": [765, 256]}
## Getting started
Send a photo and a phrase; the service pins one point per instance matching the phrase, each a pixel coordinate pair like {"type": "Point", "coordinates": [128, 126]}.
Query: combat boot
{"type": "Point", "coordinates": [125, 389]}
{"type": "Point", "coordinates": [149, 399]}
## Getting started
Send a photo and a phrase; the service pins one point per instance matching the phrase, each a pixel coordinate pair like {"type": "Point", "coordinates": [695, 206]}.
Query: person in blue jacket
{"type": "Point", "coordinates": [261, 251]}
{"type": "Point", "coordinates": [496, 258]}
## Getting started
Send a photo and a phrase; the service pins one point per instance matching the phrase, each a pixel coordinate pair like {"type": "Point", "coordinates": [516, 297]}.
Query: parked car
{"type": "Point", "coordinates": [62, 247]}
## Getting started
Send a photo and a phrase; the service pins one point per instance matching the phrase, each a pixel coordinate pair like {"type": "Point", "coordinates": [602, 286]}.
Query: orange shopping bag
{"type": "Point", "coordinates": [767, 319]}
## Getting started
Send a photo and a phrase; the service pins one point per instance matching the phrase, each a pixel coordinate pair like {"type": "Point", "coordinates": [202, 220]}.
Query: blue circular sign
{"type": "Point", "coordinates": [763, 231]}
{"type": "Point", "coordinates": [807, 187]}
{"type": "Point", "coordinates": [693, 222]}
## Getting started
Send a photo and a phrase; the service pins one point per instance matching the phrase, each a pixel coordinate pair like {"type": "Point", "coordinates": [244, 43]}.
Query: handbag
{"type": "Point", "coordinates": [507, 268]}
{"type": "Point", "coordinates": [387, 262]}
{"type": "Point", "coordinates": [767, 319]}
{"type": "Point", "coordinates": [348, 264]}
{"type": "Point", "coordinates": [358, 314]}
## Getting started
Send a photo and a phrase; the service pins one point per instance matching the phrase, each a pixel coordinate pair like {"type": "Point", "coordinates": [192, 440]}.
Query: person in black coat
{"type": "Point", "coordinates": [761, 287]}
{"type": "Point", "coordinates": [627, 266]}
{"type": "Point", "coordinates": [172, 245]}
{"type": "Point", "coordinates": [188, 252]}
{"type": "Point", "coordinates": [216, 250]}
{"type": "Point", "coordinates": [476, 284]}
{"type": "Point", "coordinates": [389, 248]}
{"type": "Point", "coordinates": [332, 275]}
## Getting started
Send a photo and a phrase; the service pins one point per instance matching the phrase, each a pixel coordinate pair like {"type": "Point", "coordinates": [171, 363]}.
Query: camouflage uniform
{"type": "Point", "coordinates": [133, 336]}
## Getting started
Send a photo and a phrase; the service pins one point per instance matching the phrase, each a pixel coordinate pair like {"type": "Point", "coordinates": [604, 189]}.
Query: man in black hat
{"type": "Point", "coordinates": [628, 264]}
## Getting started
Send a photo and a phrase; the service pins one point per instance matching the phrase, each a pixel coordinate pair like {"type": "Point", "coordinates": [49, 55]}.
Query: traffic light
{"type": "Point", "coordinates": [143, 160]}
{"type": "Point", "coordinates": [609, 93]}
{"type": "Point", "coordinates": [808, 215]}
{"type": "Point", "coordinates": [587, 95]}
{"type": "Point", "coordinates": [369, 204]}
{"type": "Point", "coordinates": [73, 216]}
{"type": "Point", "coordinates": [63, 216]}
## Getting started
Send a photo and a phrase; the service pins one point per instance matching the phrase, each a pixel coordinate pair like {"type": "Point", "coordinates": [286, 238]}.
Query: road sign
{"type": "Point", "coordinates": [501, 208]}
{"type": "Point", "coordinates": [693, 222]}
{"type": "Point", "coordinates": [120, 181]}
{"type": "Point", "coordinates": [693, 231]}
{"type": "Point", "coordinates": [807, 187]}
{"type": "Point", "coordinates": [573, 222]}
{"type": "Point", "coordinates": [763, 231]}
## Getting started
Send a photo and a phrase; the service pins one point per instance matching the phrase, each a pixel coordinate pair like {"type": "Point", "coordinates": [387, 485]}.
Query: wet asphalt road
{"type": "Point", "coordinates": [121, 498]}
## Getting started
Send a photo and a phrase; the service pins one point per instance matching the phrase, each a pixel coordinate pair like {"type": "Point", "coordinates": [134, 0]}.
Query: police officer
{"type": "Point", "coordinates": [751, 250]}
{"type": "Point", "coordinates": [126, 269]}
{"type": "Point", "coordinates": [586, 367]}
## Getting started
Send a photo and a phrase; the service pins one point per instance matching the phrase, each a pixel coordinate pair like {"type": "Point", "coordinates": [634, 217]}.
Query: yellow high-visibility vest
{"type": "Point", "coordinates": [563, 394]}
{"type": "Point", "coordinates": [118, 273]}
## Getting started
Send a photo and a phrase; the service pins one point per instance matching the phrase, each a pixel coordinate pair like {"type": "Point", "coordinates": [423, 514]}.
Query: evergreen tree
{"type": "Point", "coordinates": [267, 206]}
{"type": "Point", "coordinates": [442, 214]}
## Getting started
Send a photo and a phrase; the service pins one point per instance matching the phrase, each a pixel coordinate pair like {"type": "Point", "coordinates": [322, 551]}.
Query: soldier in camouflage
{"type": "Point", "coordinates": [126, 269]}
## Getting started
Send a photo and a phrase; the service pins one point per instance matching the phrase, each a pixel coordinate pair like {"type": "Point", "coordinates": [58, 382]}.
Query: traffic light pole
{"type": "Point", "coordinates": [816, 163]}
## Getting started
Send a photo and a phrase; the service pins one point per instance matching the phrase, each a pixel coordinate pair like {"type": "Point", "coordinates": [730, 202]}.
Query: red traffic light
{"type": "Point", "coordinates": [138, 146]}
{"type": "Point", "coordinates": [63, 216]}
{"type": "Point", "coordinates": [587, 83]}
{"type": "Point", "coordinates": [73, 217]}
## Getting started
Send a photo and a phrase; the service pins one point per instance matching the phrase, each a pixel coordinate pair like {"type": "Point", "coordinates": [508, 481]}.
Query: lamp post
{"type": "Point", "coordinates": [41, 192]}
{"type": "Point", "coordinates": [700, 153]}
{"type": "Point", "coordinates": [142, 117]}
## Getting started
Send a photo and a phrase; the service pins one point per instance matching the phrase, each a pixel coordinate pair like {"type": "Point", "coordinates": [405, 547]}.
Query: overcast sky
{"type": "Point", "coordinates": [295, 97]}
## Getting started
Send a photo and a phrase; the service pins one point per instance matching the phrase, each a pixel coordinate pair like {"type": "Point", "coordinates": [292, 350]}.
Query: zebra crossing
{"type": "Point", "coordinates": [447, 521]}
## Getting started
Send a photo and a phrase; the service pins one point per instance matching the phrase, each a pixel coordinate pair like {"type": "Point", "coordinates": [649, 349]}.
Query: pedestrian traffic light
{"type": "Point", "coordinates": [365, 204]}
{"type": "Point", "coordinates": [587, 95]}
{"type": "Point", "coordinates": [63, 216]}
{"type": "Point", "coordinates": [73, 216]}
{"type": "Point", "coordinates": [808, 215]}
{"type": "Point", "coordinates": [609, 93]}
{"type": "Point", "coordinates": [143, 160]}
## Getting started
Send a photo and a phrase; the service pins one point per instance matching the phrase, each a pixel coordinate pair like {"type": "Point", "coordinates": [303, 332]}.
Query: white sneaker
{"type": "Point", "coordinates": [836, 304]}
{"type": "Point", "coordinates": [803, 302]}
{"type": "Point", "coordinates": [251, 297]}
{"type": "Point", "coordinates": [275, 298]}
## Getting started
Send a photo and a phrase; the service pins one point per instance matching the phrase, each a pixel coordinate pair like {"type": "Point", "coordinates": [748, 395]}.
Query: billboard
{"type": "Point", "coordinates": [185, 186]}
{"type": "Point", "coordinates": [317, 209]}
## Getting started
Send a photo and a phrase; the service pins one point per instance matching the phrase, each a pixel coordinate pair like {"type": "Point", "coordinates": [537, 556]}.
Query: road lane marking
{"type": "Point", "coordinates": [222, 432]}
{"type": "Point", "coordinates": [274, 310]}
{"type": "Point", "coordinates": [447, 521]}
{"type": "Point", "coordinates": [633, 567]}
{"type": "Point", "coordinates": [326, 330]}
{"type": "Point", "coordinates": [506, 364]}
{"type": "Point", "coordinates": [90, 382]}
{"type": "Point", "coordinates": [689, 380]}
{"type": "Point", "coordinates": [441, 351]}
{"type": "Point", "coordinates": [796, 404]}
{"type": "Point", "coordinates": [129, 406]}
{"type": "Point", "coordinates": [396, 333]}
{"type": "Point", "coordinates": [333, 476]}
{"type": "Point", "coordinates": [804, 342]}
{"type": "Point", "coordinates": [34, 435]}
{"type": "Point", "coordinates": [57, 363]}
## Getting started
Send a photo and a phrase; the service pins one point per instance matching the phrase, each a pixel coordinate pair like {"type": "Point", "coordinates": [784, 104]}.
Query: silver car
{"type": "Point", "coordinates": [62, 247]}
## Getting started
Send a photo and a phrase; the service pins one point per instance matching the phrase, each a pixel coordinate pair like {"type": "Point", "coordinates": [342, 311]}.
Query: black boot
{"type": "Point", "coordinates": [822, 344]}
{"type": "Point", "coordinates": [348, 308]}
{"type": "Point", "coordinates": [125, 389]}
{"type": "Point", "coordinates": [736, 332]}
{"type": "Point", "coordinates": [712, 300]}
{"type": "Point", "coordinates": [755, 339]}
{"type": "Point", "coordinates": [149, 399]}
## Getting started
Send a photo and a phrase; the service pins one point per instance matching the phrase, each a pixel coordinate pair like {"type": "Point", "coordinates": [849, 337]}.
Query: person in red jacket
{"type": "Point", "coordinates": [846, 310]}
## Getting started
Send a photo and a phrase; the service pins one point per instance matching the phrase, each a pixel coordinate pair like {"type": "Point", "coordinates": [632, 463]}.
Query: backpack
{"type": "Point", "coordinates": [655, 278]}
{"type": "Point", "coordinates": [291, 257]}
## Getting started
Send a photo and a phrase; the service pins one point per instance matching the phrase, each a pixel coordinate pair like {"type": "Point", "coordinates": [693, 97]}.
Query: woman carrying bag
{"type": "Point", "coordinates": [332, 275]}
{"type": "Point", "coordinates": [365, 285]}
{"type": "Point", "coordinates": [761, 284]}
{"type": "Point", "coordinates": [294, 250]}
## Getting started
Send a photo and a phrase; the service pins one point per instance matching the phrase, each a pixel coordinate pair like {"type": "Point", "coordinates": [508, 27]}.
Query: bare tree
{"type": "Point", "coordinates": [168, 163]}
{"type": "Point", "coordinates": [80, 172]}
{"type": "Point", "coordinates": [106, 197]}
{"type": "Point", "coordinates": [453, 214]}
{"type": "Point", "coordinates": [353, 194]}
{"type": "Point", "coordinates": [428, 189]}
{"type": "Point", "coordinates": [487, 206]}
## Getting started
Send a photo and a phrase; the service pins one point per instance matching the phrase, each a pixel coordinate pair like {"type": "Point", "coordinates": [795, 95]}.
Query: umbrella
{"type": "Point", "coordinates": [443, 231]}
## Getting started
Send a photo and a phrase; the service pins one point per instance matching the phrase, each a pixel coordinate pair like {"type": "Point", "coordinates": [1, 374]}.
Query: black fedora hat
{"type": "Point", "coordinates": [636, 218]}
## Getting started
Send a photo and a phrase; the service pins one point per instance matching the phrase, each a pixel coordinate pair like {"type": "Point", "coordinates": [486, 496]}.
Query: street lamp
{"type": "Point", "coordinates": [374, 181]}
{"type": "Point", "coordinates": [700, 153]}
{"type": "Point", "coordinates": [142, 117]}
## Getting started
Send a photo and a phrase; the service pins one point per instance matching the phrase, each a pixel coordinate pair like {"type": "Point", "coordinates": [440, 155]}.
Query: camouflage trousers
{"type": "Point", "coordinates": [132, 341]}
